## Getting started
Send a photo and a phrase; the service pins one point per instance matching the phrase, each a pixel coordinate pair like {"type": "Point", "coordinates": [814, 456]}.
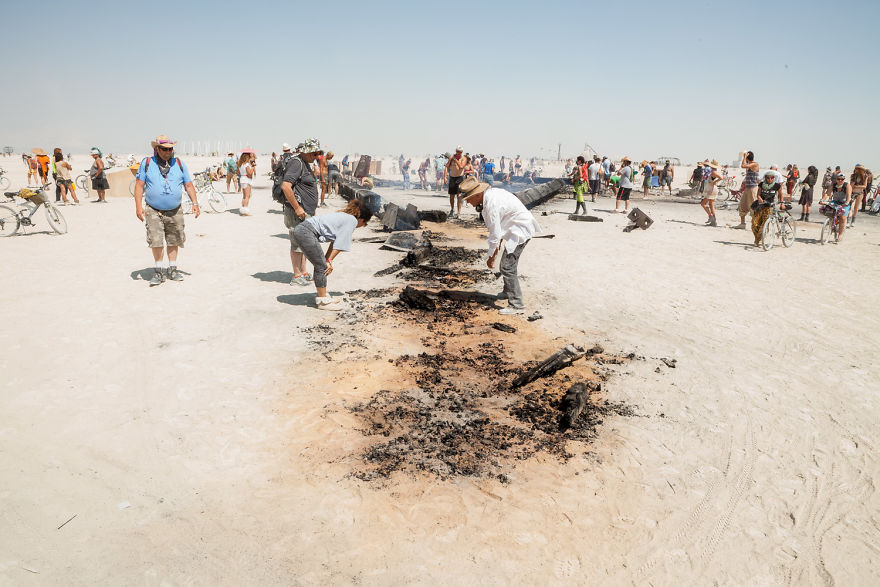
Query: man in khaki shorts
{"type": "Point", "coordinates": [300, 201]}
{"type": "Point", "coordinates": [160, 180]}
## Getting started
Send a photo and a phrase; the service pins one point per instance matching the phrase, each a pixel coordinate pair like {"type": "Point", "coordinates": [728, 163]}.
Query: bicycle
{"type": "Point", "coordinates": [4, 181]}
{"type": "Point", "coordinates": [84, 182]}
{"type": "Point", "coordinates": [835, 213]}
{"type": "Point", "coordinates": [779, 224]}
{"type": "Point", "coordinates": [205, 187]}
{"type": "Point", "coordinates": [11, 219]}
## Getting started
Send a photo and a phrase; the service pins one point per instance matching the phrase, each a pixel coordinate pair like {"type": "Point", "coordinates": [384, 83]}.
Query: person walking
{"type": "Point", "coordinates": [859, 181]}
{"type": "Point", "coordinates": [32, 169]}
{"type": "Point", "coordinates": [510, 226]}
{"type": "Point", "coordinates": [489, 172]}
{"type": "Point", "coordinates": [666, 177]}
{"type": "Point", "coordinates": [63, 181]}
{"type": "Point", "coordinates": [300, 189]}
{"type": "Point", "coordinates": [335, 228]}
{"type": "Point", "coordinates": [626, 185]}
{"type": "Point", "coordinates": [246, 172]}
{"type": "Point", "coordinates": [99, 178]}
{"type": "Point", "coordinates": [423, 173]}
{"type": "Point", "coordinates": [750, 187]}
{"type": "Point", "coordinates": [579, 175]}
{"type": "Point", "coordinates": [708, 201]}
{"type": "Point", "coordinates": [806, 199]}
{"type": "Point", "coordinates": [231, 166]}
{"type": "Point", "coordinates": [595, 174]}
{"type": "Point", "coordinates": [869, 178]}
{"type": "Point", "coordinates": [841, 195]}
{"type": "Point", "coordinates": [454, 173]}
{"type": "Point", "coordinates": [160, 181]}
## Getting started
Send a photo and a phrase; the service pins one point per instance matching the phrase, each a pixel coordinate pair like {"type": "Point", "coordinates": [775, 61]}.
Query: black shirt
{"type": "Point", "coordinates": [299, 175]}
{"type": "Point", "coordinates": [768, 193]}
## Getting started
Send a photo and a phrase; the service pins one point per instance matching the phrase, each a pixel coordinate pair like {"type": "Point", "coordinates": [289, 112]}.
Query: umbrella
{"type": "Point", "coordinates": [38, 151]}
{"type": "Point", "coordinates": [248, 150]}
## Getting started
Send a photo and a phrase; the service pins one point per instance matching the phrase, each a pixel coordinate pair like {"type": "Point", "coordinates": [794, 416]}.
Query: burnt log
{"type": "Point", "coordinates": [558, 360]}
{"type": "Point", "coordinates": [423, 299]}
{"type": "Point", "coordinates": [433, 215]}
{"type": "Point", "coordinates": [503, 327]}
{"type": "Point", "coordinates": [538, 194]}
{"type": "Point", "coordinates": [573, 404]}
{"type": "Point", "coordinates": [418, 298]}
{"type": "Point", "coordinates": [584, 218]}
{"type": "Point", "coordinates": [417, 255]}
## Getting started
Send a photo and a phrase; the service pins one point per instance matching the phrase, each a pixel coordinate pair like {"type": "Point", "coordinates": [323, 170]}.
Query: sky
{"type": "Point", "coordinates": [791, 81]}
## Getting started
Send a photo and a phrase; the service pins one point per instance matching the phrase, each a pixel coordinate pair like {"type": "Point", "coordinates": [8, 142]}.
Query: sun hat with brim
{"type": "Point", "coordinates": [713, 164]}
{"type": "Point", "coordinates": [285, 147]}
{"type": "Point", "coordinates": [471, 187]}
{"type": "Point", "coordinates": [249, 151]}
{"type": "Point", "coordinates": [627, 159]}
{"type": "Point", "coordinates": [311, 146]}
{"type": "Point", "coordinates": [38, 151]}
{"type": "Point", "coordinates": [163, 141]}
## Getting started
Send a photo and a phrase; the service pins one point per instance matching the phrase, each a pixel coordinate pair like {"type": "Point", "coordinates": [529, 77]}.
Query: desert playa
{"type": "Point", "coordinates": [731, 435]}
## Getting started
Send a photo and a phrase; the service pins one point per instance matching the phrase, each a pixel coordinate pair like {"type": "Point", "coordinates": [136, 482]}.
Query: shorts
{"type": "Point", "coordinates": [101, 183]}
{"type": "Point", "coordinates": [489, 178]}
{"type": "Point", "coordinates": [439, 175]}
{"type": "Point", "coordinates": [64, 182]}
{"type": "Point", "coordinates": [745, 202]}
{"type": "Point", "coordinates": [291, 221]}
{"type": "Point", "coordinates": [594, 186]}
{"type": "Point", "coordinates": [646, 182]}
{"type": "Point", "coordinates": [335, 176]}
{"type": "Point", "coordinates": [454, 182]}
{"type": "Point", "coordinates": [667, 181]}
{"type": "Point", "coordinates": [623, 194]}
{"type": "Point", "coordinates": [164, 227]}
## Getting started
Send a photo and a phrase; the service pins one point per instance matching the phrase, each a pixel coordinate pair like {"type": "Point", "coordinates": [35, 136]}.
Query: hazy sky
{"type": "Point", "coordinates": [793, 81]}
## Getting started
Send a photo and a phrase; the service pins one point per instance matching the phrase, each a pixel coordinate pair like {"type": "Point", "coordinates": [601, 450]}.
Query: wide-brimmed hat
{"type": "Point", "coordinates": [471, 187]}
{"type": "Point", "coordinates": [643, 163]}
{"type": "Point", "coordinates": [311, 146]}
{"type": "Point", "coordinates": [249, 150]}
{"type": "Point", "coordinates": [163, 141]}
{"type": "Point", "coordinates": [285, 147]}
{"type": "Point", "coordinates": [713, 164]}
{"type": "Point", "coordinates": [859, 166]}
{"type": "Point", "coordinates": [38, 151]}
{"type": "Point", "coordinates": [627, 159]}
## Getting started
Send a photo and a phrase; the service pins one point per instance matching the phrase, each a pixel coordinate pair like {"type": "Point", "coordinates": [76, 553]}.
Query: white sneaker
{"type": "Point", "coordinates": [328, 303]}
{"type": "Point", "coordinates": [511, 310]}
{"type": "Point", "coordinates": [244, 212]}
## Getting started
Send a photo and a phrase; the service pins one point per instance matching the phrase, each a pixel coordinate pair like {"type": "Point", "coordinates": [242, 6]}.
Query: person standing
{"type": "Point", "coordinates": [334, 176]}
{"type": "Point", "coordinates": [806, 199]}
{"type": "Point", "coordinates": [42, 166]}
{"type": "Point", "coordinates": [606, 170]}
{"type": "Point", "coordinates": [579, 175]}
{"type": "Point", "coordinates": [300, 201]}
{"type": "Point", "coordinates": [859, 181]}
{"type": "Point", "coordinates": [423, 173]}
{"type": "Point", "coordinates": [246, 171]}
{"type": "Point", "coordinates": [63, 181]}
{"type": "Point", "coordinates": [231, 167]}
{"type": "Point", "coordinates": [454, 173]}
{"type": "Point", "coordinates": [510, 226]}
{"type": "Point", "coordinates": [517, 166]}
{"type": "Point", "coordinates": [666, 177]}
{"type": "Point", "coordinates": [99, 178]}
{"type": "Point", "coordinates": [869, 178]}
{"type": "Point", "coordinates": [626, 185]}
{"type": "Point", "coordinates": [595, 173]}
{"type": "Point", "coordinates": [440, 170]}
{"type": "Point", "coordinates": [841, 197]}
{"type": "Point", "coordinates": [323, 177]}
{"type": "Point", "coordinates": [489, 172]}
{"type": "Point", "coordinates": [337, 229]}
{"type": "Point", "coordinates": [648, 177]}
{"type": "Point", "coordinates": [32, 169]}
{"type": "Point", "coordinates": [708, 201]}
{"type": "Point", "coordinates": [160, 181]}
{"type": "Point", "coordinates": [750, 187]}
{"type": "Point", "coordinates": [404, 170]}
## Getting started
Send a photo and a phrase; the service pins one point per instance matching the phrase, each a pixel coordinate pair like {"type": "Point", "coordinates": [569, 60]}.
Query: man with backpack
{"type": "Point", "coordinates": [160, 181]}
{"type": "Point", "coordinates": [296, 188]}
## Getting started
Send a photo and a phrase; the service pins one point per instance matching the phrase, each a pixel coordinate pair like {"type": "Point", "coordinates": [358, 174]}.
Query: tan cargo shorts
{"type": "Point", "coordinates": [164, 227]}
{"type": "Point", "coordinates": [748, 196]}
{"type": "Point", "coordinates": [291, 221]}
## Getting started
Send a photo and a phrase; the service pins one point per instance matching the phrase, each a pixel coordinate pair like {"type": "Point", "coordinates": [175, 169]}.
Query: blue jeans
{"type": "Point", "coordinates": [406, 181]}
{"type": "Point", "coordinates": [489, 178]}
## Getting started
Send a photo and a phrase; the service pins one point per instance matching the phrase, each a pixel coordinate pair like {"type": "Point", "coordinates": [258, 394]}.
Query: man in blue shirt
{"type": "Point", "coordinates": [160, 180]}
{"type": "Point", "coordinates": [489, 172]}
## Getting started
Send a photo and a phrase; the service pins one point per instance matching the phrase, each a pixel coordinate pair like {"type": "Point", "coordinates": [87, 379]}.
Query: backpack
{"type": "Point", "coordinates": [612, 168]}
{"type": "Point", "coordinates": [278, 178]}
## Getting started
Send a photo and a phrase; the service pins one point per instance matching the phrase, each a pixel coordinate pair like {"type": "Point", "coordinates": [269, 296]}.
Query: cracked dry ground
{"type": "Point", "coordinates": [448, 408]}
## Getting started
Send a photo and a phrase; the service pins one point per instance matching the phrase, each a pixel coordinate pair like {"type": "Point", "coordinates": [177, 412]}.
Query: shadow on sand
{"type": "Point", "coordinates": [147, 274]}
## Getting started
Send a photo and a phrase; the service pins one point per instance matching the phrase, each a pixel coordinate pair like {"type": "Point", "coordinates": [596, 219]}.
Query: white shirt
{"type": "Point", "coordinates": [507, 219]}
{"type": "Point", "coordinates": [626, 177]}
{"type": "Point", "coordinates": [594, 171]}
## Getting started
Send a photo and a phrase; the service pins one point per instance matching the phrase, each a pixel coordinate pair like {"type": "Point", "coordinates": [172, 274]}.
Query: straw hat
{"type": "Point", "coordinates": [38, 151]}
{"type": "Point", "coordinates": [285, 147]}
{"type": "Point", "coordinates": [163, 141]}
{"type": "Point", "coordinates": [713, 164]}
{"type": "Point", "coordinates": [643, 163]}
{"type": "Point", "coordinates": [471, 187]}
{"type": "Point", "coordinates": [248, 150]}
{"type": "Point", "coordinates": [626, 159]}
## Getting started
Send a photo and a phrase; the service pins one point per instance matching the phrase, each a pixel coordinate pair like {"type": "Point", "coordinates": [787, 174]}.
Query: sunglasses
{"type": "Point", "coordinates": [166, 148]}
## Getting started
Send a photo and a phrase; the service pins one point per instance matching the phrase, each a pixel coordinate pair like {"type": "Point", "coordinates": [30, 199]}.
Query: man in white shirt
{"type": "Point", "coordinates": [507, 220]}
{"type": "Point", "coordinates": [596, 174]}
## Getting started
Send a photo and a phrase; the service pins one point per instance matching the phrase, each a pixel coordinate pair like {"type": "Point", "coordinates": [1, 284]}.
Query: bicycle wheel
{"type": "Point", "coordinates": [827, 227]}
{"type": "Point", "coordinates": [4, 183]}
{"type": "Point", "coordinates": [55, 219]}
{"type": "Point", "coordinates": [8, 221]}
{"type": "Point", "coordinates": [768, 235]}
{"type": "Point", "coordinates": [787, 229]}
{"type": "Point", "coordinates": [723, 194]}
{"type": "Point", "coordinates": [187, 205]}
{"type": "Point", "coordinates": [84, 183]}
{"type": "Point", "coordinates": [217, 201]}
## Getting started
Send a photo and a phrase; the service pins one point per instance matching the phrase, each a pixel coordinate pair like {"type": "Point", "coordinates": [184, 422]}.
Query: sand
{"type": "Point", "coordinates": [199, 438]}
